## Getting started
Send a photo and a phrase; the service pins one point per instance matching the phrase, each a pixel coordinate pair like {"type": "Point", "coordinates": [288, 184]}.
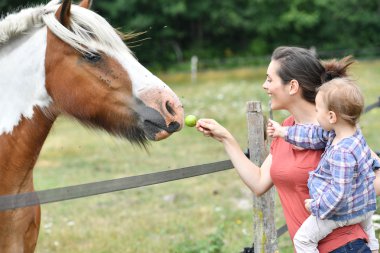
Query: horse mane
{"type": "Point", "coordinates": [88, 32]}
{"type": "Point", "coordinates": [17, 23]}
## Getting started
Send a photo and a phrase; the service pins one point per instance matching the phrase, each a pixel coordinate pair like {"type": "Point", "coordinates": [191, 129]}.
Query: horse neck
{"type": "Point", "coordinates": [23, 99]}
{"type": "Point", "coordinates": [19, 152]}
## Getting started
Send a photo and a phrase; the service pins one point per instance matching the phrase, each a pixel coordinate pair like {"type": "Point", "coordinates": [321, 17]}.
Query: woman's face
{"type": "Point", "coordinates": [277, 91]}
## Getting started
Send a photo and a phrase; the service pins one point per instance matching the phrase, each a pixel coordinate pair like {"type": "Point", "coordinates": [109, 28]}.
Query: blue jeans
{"type": "Point", "coordinates": [356, 246]}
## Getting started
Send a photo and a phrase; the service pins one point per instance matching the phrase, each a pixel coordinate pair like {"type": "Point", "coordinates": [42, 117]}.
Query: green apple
{"type": "Point", "coordinates": [190, 120]}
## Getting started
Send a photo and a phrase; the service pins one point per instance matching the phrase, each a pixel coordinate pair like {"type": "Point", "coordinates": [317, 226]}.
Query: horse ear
{"type": "Point", "coordinates": [63, 13]}
{"type": "Point", "coordinates": [86, 4]}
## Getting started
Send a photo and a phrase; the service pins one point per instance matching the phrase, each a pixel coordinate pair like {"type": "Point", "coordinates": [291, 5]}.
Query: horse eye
{"type": "Point", "coordinates": [92, 57]}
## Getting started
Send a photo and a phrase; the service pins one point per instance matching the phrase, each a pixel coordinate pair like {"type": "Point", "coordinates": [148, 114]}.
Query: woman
{"type": "Point", "coordinates": [292, 78]}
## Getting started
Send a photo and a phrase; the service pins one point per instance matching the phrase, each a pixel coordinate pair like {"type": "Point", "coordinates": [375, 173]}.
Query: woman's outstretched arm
{"type": "Point", "coordinates": [256, 178]}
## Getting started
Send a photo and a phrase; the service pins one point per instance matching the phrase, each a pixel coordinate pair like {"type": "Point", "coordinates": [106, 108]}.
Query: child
{"type": "Point", "coordinates": [341, 187]}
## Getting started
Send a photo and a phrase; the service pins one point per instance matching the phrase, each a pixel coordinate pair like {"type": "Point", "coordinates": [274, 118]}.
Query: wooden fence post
{"type": "Point", "coordinates": [265, 234]}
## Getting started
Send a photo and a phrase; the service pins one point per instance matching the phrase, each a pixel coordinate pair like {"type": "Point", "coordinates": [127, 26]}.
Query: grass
{"type": "Point", "coordinates": [209, 214]}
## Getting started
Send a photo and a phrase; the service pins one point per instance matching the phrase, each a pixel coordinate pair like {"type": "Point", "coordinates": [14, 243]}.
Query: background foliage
{"type": "Point", "coordinates": [176, 30]}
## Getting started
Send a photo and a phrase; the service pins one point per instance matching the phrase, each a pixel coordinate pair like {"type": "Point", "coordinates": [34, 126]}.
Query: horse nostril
{"type": "Point", "coordinates": [169, 108]}
{"type": "Point", "coordinates": [173, 126]}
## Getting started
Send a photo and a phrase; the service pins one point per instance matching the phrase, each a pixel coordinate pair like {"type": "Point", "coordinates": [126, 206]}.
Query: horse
{"type": "Point", "coordinates": [64, 59]}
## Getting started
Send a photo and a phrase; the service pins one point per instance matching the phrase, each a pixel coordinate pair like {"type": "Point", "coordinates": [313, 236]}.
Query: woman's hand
{"type": "Point", "coordinates": [274, 129]}
{"type": "Point", "coordinates": [211, 128]}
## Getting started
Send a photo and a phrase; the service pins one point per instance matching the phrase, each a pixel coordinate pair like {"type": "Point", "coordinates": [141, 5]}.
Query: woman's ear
{"type": "Point", "coordinates": [293, 87]}
{"type": "Point", "coordinates": [332, 117]}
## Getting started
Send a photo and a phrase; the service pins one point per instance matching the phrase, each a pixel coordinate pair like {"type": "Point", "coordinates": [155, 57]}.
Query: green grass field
{"type": "Point", "coordinates": [209, 214]}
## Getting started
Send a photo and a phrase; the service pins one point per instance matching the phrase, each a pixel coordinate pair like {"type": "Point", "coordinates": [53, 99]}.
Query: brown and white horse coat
{"type": "Point", "coordinates": [65, 59]}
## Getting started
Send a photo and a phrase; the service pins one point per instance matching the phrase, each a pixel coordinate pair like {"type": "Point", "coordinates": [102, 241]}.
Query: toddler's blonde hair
{"type": "Point", "coordinates": [343, 96]}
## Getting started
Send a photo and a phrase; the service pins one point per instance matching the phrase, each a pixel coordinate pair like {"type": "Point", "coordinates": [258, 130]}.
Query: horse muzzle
{"type": "Point", "coordinates": [160, 112]}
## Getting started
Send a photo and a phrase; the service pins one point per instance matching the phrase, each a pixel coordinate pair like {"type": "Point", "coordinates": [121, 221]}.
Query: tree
{"type": "Point", "coordinates": [175, 30]}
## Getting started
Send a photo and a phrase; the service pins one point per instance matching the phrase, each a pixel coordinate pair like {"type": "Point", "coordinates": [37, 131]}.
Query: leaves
{"type": "Point", "coordinates": [176, 30]}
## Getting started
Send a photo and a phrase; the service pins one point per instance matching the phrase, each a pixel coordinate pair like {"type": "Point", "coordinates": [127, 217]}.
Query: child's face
{"type": "Point", "coordinates": [323, 114]}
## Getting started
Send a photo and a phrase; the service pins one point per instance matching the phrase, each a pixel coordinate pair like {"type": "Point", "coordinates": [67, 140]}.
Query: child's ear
{"type": "Point", "coordinates": [293, 87]}
{"type": "Point", "coordinates": [332, 117]}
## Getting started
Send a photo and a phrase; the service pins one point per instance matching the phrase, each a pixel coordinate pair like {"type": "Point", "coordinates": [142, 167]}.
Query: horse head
{"type": "Point", "coordinates": [93, 76]}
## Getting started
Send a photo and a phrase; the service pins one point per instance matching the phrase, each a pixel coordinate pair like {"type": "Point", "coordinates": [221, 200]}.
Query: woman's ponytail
{"type": "Point", "coordinates": [335, 68]}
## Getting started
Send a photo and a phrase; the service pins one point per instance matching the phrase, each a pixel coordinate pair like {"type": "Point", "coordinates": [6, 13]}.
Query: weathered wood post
{"type": "Point", "coordinates": [264, 229]}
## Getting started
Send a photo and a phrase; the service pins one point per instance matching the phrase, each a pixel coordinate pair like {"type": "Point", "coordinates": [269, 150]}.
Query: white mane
{"type": "Point", "coordinates": [88, 32]}
{"type": "Point", "coordinates": [17, 23]}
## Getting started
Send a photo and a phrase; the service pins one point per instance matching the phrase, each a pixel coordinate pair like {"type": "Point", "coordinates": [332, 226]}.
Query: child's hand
{"type": "Point", "coordinates": [307, 205]}
{"type": "Point", "coordinates": [274, 129]}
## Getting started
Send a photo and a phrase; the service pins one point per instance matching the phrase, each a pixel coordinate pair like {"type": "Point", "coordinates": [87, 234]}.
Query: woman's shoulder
{"type": "Point", "coordinates": [289, 121]}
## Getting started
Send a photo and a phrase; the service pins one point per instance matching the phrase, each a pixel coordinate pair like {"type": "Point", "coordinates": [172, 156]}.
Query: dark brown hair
{"type": "Point", "coordinates": [304, 66]}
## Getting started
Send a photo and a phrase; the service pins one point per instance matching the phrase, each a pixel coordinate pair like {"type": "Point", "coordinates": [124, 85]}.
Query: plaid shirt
{"type": "Point", "coordinates": [341, 187]}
